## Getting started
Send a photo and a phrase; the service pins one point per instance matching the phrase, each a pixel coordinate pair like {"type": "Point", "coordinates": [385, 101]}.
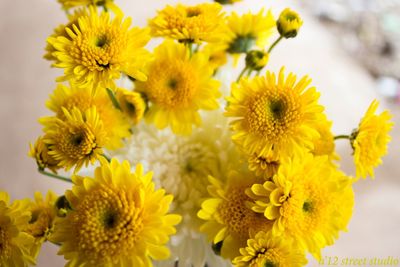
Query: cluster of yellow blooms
{"type": "Point", "coordinates": [285, 198]}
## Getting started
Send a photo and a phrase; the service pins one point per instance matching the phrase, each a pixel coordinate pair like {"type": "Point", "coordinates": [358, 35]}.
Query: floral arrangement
{"type": "Point", "coordinates": [169, 165]}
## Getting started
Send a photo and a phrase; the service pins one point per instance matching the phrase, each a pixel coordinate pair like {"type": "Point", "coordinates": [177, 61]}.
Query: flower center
{"type": "Point", "coordinates": [307, 206]}
{"type": "Point", "coordinates": [172, 84]}
{"type": "Point", "coordinates": [40, 223]}
{"type": "Point", "coordinates": [193, 12]}
{"type": "Point", "coordinates": [274, 115]}
{"type": "Point", "coordinates": [108, 223]}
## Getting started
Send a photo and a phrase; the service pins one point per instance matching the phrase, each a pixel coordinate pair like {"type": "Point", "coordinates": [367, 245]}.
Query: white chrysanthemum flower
{"type": "Point", "coordinates": [181, 166]}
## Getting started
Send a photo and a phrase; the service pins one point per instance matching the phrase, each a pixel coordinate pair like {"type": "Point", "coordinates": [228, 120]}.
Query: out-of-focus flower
{"type": "Point", "coordinates": [15, 244]}
{"type": "Point", "coordinates": [370, 140]}
{"type": "Point", "coordinates": [132, 104]}
{"type": "Point", "coordinates": [256, 59]}
{"type": "Point", "coordinates": [248, 30]}
{"type": "Point", "coordinates": [178, 86]}
{"type": "Point", "coordinates": [189, 24]}
{"type": "Point", "coordinates": [40, 152]}
{"type": "Point", "coordinates": [117, 218]}
{"type": "Point", "coordinates": [227, 2]}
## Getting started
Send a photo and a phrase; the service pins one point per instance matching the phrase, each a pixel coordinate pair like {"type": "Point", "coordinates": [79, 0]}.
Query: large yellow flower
{"type": "Point", "coordinates": [76, 141]}
{"type": "Point", "coordinates": [15, 245]}
{"type": "Point", "coordinates": [248, 30]}
{"type": "Point", "coordinates": [40, 225]}
{"type": "Point", "coordinates": [189, 24]}
{"type": "Point", "coordinates": [117, 219]}
{"type": "Point", "coordinates": [274, 114]}
{"type": "Point", "coordinates": [99, 49]}
{"type": "Point", "coordinates": [308, 201]}
{"type": "Point", "coordinates": [370, 140]}
{"type": "Point", "coordinates": [229, 222]}
{"type": "Point", "coordinates": [178, 86]}
{"type": "Point", "coordinates": [114, 121]}
{"type": "Point", "coordinates": [267, 250]}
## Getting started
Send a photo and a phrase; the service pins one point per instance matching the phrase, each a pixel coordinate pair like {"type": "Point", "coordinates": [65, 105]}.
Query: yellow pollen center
{"type": "Point", "coordinates": [99, 49]}
{"type": "Point", "coordinates": [234, 213]}
{"type": "Point", "coordinates": [274, 115]}
{"type": "Point", "coordinates": [109, 222]}
{"type": "Point", "coordinates": [172, 84]}
{"type": "Point", "coordinates": [77, 142]}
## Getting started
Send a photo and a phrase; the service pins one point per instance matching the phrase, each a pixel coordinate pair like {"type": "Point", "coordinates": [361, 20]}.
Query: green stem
{"type": "Point", "coordinates": [59, 177]}
{"type": "Point", "coordinates": [274, 44]}
{"type": "Point", "coordinates": [190, 47]}
{"type": "Point", "coordinates": [113, 98]}
{"type": "Point", "coordinates": [107, 157]}
{"type": "Point", "coordinates": [343, 136]}
{"type": "Point", "coordinates": [241, 74]}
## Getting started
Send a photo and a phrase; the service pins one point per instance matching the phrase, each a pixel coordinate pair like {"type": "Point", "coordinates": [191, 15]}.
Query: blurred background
{"type": "Point", "coordinates": [351, 49]}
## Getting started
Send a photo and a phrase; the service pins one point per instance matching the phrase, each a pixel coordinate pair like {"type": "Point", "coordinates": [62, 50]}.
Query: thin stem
{"type": "Point", "coordinates": [113, 98]}
{"type": "Point", "coordinates": [343, 136]}
{"type": "Point", "coordinates": [190, 47]}
{"type": "Point", "coordinates": [274, 44]}
{"type": "Point", "coordinates": [241, 74]}
{"type": "Point", "coordinates": [107, 157]}
{"type": "Point", "coordinates": [59, 177]}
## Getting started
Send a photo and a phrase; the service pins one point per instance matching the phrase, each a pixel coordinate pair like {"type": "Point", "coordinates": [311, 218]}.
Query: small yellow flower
{"type": "Point", "coordinates": [76, 141]}
{"type": "Point", "coordinates": [132, 104]}
{"type": "Point", "coordinates": [99, 49]}
{"type": "Point", "coordinates": [115, 123]}
{"type": "Point", "coordinates": [189, 24]}
{"type": "Point", "coordinates": [229, 221]}
{"type": "Point", "coordinates": [15, 245]}
{"type": "Point", "coordinates": [248, 30]}
{"type": "Point", "coordinates": [274, 114]}
{"type": "Point", "coordinates": [263, 166]}
{"type": "Point", "coordinates": [117, 219]}
{"type": "Point", "coordinates": [40, 152]}
{"type": "Point", "coordinates": [289, 23]}
{"type": "Point", "coordinates": [370, 140]}
{"type": "Point", "coordinates": [178, 86]}
{"type": "Point", "coordinates": [324, 144]}
{"type": "Point", "coordinates": [41, 223]}
{"type": "Point", "coordinates": [256, 59]}
{"type": "Point", "coordinates": [265, 250]}
{"type": "Point", "coordinates": [308, 200]}
{"type": "Point", "coordinates": [217, 56]}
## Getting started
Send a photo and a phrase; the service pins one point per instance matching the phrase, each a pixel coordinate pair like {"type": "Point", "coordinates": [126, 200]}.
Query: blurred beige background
{"type": "Point", "coordinates": [346, 89]}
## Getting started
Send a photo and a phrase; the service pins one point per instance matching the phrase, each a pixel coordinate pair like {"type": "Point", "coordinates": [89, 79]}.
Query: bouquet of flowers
{"type": "Point", "coordinates": [172, 164]}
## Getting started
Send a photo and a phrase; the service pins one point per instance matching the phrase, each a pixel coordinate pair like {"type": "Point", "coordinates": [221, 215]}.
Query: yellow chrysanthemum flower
{"type": "Point", "coordinates": [248, 30]}
{"type": "Point", "coordinates": [263, 166]}
{"type": "Point", "coordinates": [132, 104]}
{"type": "Point", "coordinates": [40, 152]}
{"type": "Point", "coordinates": [289, 23]}
{"type": "Point", "coordinates": [99, 49]}
{"type": "Point", "coordinates": [265, 250]}
{"type": "Point", "coordinates": [256, 60]}
{"type": "Point", "coordinates": [217, 56]}
{"type": "Point", "coordinates": [76, 141]}
{"type": "Point", "coordinates": [15, 245]}
{"type": "Point", "coordinates": [115, 124]}
{"type": "Point", "coordinates": [189, 24]}
{"type": "Point", "coordinates": [274, 115]}
{"type": "Point", "coordinates": [178, 86]}
{"type": "Point", "coordinates": [325, 143]}
{"type": "Point", "coordinates": [41, 223]}
{"type": "Point", "coordinates": [370, 140]}
{"type": "Point", "coordinates": [117, 219]}
{"type": "Point", "coordinates": [308, 201]}
{"type": "Point", "coordinates": [229, 221]}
